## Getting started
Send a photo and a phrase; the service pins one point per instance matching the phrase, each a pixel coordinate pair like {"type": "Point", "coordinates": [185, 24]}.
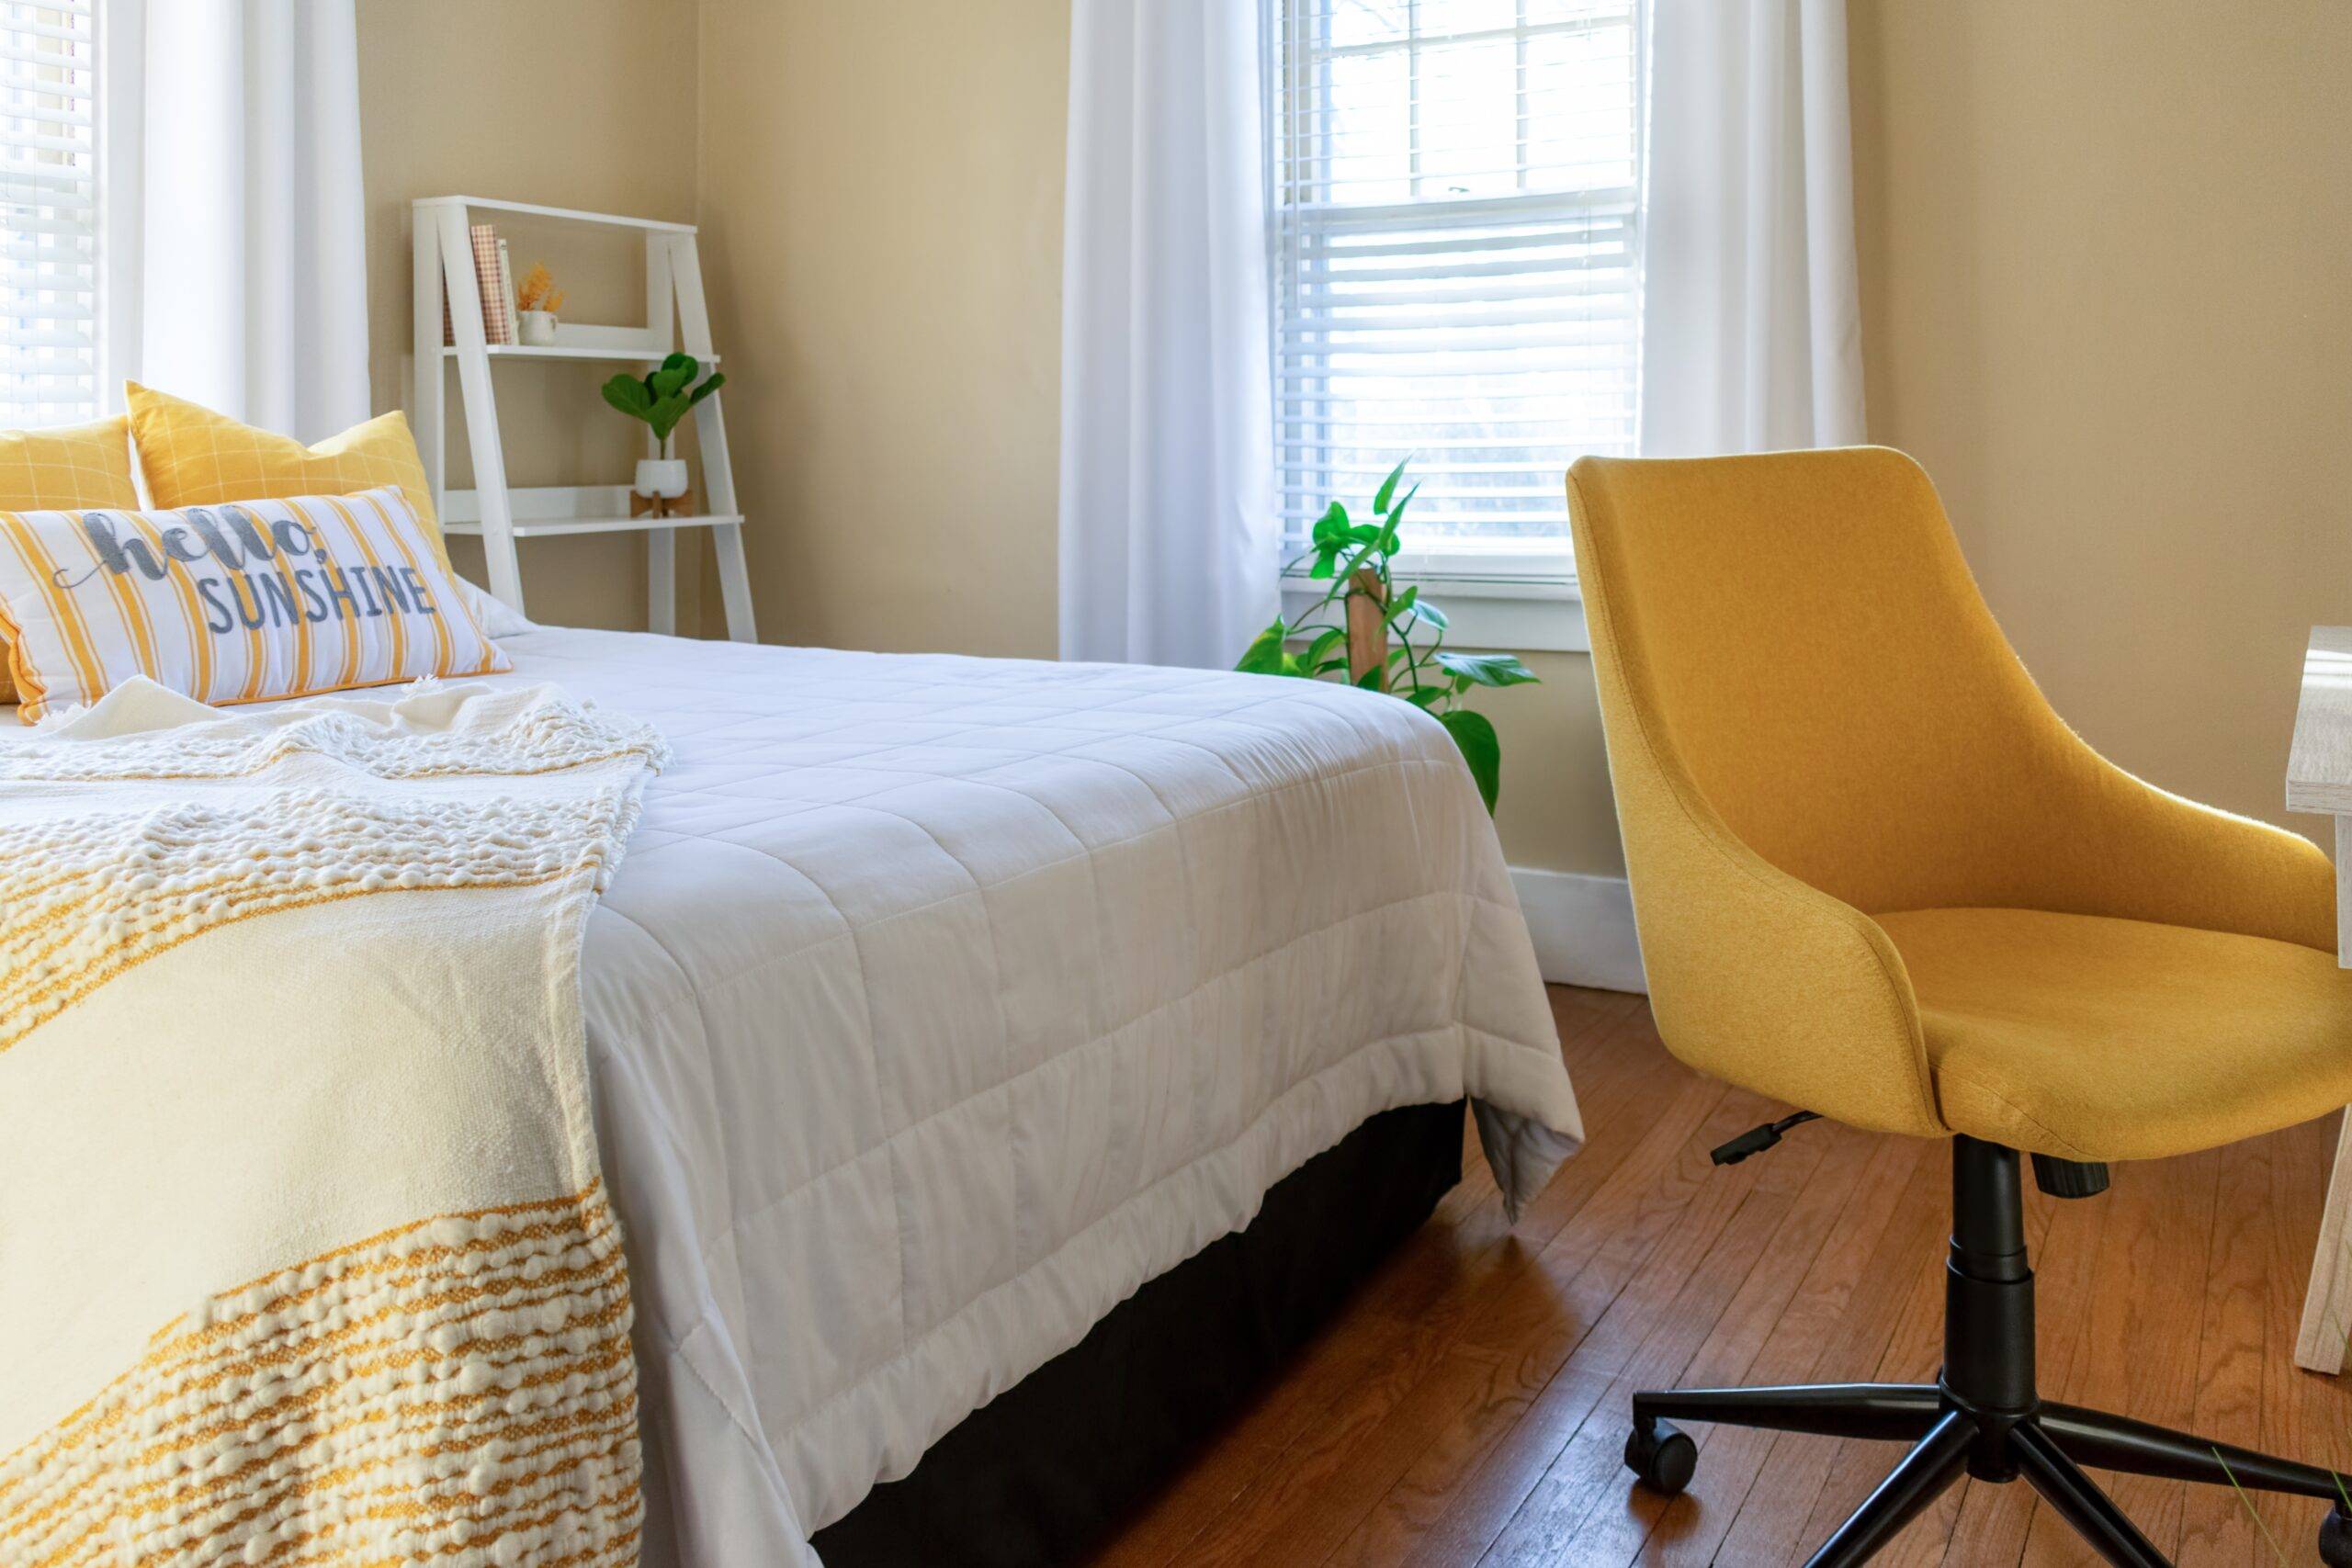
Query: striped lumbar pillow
{"type": "Point", "coordinates": [234, 603]}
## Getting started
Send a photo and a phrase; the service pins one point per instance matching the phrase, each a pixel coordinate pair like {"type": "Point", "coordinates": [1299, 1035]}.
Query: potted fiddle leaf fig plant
{"type": "Point", "coordinates": [1346, 633]}
{"type": "Point", "coordinates": [662, 398]}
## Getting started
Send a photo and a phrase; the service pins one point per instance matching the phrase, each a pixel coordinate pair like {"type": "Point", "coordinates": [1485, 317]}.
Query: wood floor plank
{"type": "Point", "coordinates": [1567, 1319]}
{"type": "Point", "coordinates": [1913, 1350]}
{"type": "Point", "coordinates": [1551, 1314]}
{"type": "Point", "coordinates": [1469, 1404]}
{"type": "Point", "coordinates": [1641, 1204]}
{"type": "Point", "coordinates": [1659, 1341]}
{"type": "Point", "coordinates": [1692, 1528]}
{"type": "Point", "coordinates": [1712, 1334]}
{"type": "Point", "coordinates": [1774, 1521]}
{"type": "Point", "coordinates": [2217, 1531]}
{"type": "Point", "coordinates": [1457, 1257]}
{"type": "Point", "coordinates": [2143, 1323]}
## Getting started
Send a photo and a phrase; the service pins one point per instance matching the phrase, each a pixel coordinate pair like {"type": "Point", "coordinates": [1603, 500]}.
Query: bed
{"type": "Point", "coordinates": [966, 1034]}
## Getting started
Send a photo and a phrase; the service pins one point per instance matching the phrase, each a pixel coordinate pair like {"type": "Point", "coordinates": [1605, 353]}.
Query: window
{"type": "Point", "coordinates": [48, 212]}
{"type": "Point", "coordinates": [1456, 190]}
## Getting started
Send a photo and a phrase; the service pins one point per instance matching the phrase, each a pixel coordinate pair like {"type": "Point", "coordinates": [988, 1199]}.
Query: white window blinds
{"type": "Point", "coordinates": [1456, 190]}
{"type": "Point", "coordinates": [48, 212]}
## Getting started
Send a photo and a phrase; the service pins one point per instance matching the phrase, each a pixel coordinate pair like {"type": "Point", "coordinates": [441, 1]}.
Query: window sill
{"type": "Point", "coordinates": [1502, 613]}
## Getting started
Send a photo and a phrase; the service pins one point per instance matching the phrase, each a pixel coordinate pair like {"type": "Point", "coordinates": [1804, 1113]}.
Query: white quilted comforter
{"type": "Point", "coordinates": [939, 1003]}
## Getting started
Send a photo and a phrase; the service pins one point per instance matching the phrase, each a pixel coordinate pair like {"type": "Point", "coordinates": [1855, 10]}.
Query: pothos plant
{"type": "Point", "coordinates": [1345, 633]}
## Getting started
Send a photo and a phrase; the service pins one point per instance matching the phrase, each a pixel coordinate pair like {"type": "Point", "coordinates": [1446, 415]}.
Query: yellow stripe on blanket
{"type": "Point", "coordinates": [224, 1057]}
{"type": "Point", "coordinates": [463, 1382]}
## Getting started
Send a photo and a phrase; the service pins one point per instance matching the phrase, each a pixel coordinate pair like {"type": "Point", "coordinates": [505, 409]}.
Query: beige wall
{"type": "Point", "coordinates": [567, 103]}
{"type": "Point", "coordinates": [881, 204]}
{"type": "Point", "coordinates": [2106, 286]}
{"type": "Point", "coordinates": [881, 209]}
{"type": "Point", "coordinates": [1556, 811]}
{"type": "Point", "coordinates": [2106, 271]}
{"type": "Point", "coordinates": [2106, 256]}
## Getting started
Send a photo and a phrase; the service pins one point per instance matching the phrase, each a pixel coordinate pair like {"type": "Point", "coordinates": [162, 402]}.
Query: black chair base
{"type": "Point", "coordinates": [1981, 1417]}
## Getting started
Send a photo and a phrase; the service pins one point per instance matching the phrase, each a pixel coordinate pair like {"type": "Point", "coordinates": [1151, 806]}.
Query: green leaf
{"type": "Point", "coordinates": [675, 374]}
{"type": "Point", "coordinates": [1423, 696]}
{"type": "Point", "coordinates": [627, 394]}
{"type": "Point", "coordinates": [1329, 665]}
{"type": "Point", "coordinates": [1320, 649]}
{"type": "Point", "coordinates": [1370, 679]}
{"type": "Point", "coordinates": [1324, 565]}
{"type": "Point", "coordinates": [1395, 518]}
{"type": "Point", "coordinates": [1332, 524]}
{"type": "Point", "coordinates": [1474, 737]}
{"type": "Point", "coordinates": [1388, 485]}
{"type": "Point", "coordinates": [1402, 605]}
{"type": "Point", "coordinates": [1487, 669]}
{"type": "Point", "coordinates": [664, 415]}
{"type": "Point", "coordinates": [1265, 654]}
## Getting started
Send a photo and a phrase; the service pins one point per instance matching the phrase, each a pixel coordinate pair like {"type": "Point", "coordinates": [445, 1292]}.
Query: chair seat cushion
{"type": "Point", "coordinates": [2098, 1039]}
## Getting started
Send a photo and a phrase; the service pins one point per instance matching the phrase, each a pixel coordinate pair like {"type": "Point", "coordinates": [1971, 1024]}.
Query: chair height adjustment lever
{"type": "Point", "coordinates": [1756, 1140]}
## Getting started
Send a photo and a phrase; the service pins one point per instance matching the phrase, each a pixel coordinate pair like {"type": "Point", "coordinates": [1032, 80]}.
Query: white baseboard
{"type": "Point", "coordinates": [1583, 928]}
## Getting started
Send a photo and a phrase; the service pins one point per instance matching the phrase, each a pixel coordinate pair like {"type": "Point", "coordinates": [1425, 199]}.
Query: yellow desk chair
{"type": "Point", "coordinates": [1877, 879]}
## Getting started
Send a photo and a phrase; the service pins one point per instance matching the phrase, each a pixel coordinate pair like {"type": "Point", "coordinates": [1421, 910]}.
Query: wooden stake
{"type": "Point", "coordinates": [1367, 626]}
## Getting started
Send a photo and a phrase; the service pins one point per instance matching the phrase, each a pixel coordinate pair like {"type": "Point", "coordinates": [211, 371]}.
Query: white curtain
{"type": "Point", "coordinates": [1751, 328]}
{"type": "Point", "coordinates": [1169, 539]}
{"type": "Point", "coordinates": [235, 251]}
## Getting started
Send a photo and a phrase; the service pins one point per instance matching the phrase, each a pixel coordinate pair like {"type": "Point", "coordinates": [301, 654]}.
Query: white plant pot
{"type": "Point", "coordinates": [663, 477]}
{"type": "Point", "coordinates": [539, 329]}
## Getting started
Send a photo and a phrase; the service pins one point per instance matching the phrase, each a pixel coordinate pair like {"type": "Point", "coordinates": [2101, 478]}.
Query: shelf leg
{"type": "Point", "coordinates": [734, 577]}
{"type": "Point", "coordinates": [710, 433]}
{"type": "Point", "coordinates": [482, 405]}
{"type": "Point", "coordinates": [662, 581]}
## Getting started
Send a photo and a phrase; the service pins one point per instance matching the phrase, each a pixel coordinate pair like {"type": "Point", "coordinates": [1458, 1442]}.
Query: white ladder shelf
{"type": "Point", "coordinates": [499, 514]}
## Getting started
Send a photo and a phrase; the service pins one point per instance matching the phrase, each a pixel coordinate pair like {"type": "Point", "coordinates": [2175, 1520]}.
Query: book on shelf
{"type": "Point", "coordinates": [496, 280]}
{"type": "Point", "coordinates": [511, 314]}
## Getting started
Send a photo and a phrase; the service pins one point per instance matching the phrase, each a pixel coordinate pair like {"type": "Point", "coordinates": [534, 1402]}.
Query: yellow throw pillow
{"type": "Point", "coordinates": [194, 456]}
{"type": "Point", "coordinates": [64, 469]}
{"type": "Point", "coordinates": [238, 604]}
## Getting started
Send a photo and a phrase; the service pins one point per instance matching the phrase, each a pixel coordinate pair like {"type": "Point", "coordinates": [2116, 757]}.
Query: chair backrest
{"type": "Point", "coordinates": [1798, 635]}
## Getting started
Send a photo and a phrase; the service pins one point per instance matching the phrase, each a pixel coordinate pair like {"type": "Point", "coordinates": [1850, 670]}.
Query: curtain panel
{"type": "Point", "coordinates": [1170, 545]}
{"type": "Point", "coordinates": [235, 252]}
{"type": "Point", "coordinates": [1752, 322]}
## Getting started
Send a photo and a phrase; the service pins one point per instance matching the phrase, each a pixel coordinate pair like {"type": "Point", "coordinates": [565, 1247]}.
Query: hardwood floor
{"type": "Point", "coordinates": [1470, 1404]}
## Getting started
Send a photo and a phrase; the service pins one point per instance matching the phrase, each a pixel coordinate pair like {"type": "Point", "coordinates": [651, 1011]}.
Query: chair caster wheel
{"type": "Point", "coordinates": [2335, 1538]}
{"type": "Point", "coordinates": [1665, 1457]}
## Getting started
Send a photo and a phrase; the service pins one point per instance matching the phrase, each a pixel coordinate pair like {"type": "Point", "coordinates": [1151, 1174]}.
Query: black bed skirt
{"type": "Point", "coordinates": [1043, 1472]}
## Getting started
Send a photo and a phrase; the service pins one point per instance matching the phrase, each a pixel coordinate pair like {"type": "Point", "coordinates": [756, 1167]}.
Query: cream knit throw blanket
{"type": "Point", "coordinates": [304, 1257]}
